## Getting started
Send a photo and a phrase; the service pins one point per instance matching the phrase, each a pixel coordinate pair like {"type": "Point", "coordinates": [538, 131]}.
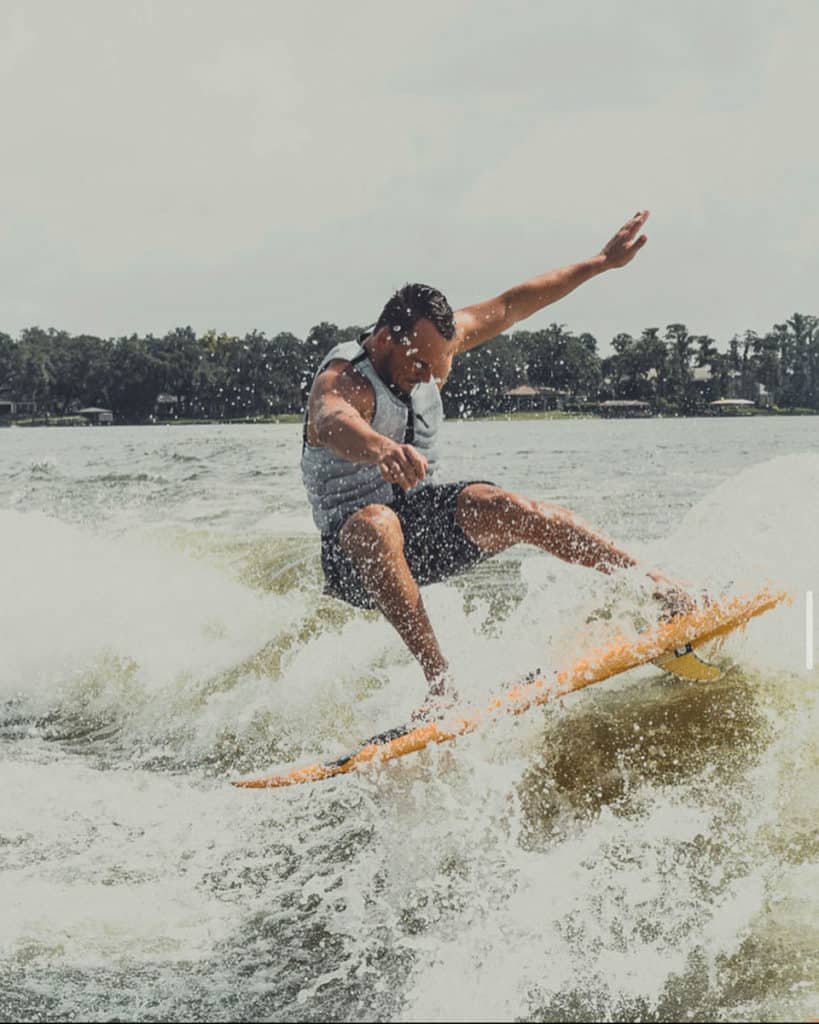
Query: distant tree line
{"type": "Point", "coordinates": [221, 376]}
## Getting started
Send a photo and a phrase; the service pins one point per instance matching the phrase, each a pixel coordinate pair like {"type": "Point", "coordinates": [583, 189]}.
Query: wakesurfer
{"type": "Point", "coordinates": [371, 452]}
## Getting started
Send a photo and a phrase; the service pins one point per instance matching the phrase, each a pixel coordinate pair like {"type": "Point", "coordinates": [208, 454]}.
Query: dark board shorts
{"type": "Point", "coordinates": [435, 546]}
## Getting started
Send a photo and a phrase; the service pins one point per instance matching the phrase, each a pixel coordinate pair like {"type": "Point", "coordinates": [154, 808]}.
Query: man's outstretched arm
{"type": "Point", "coordinates": [486, 320]}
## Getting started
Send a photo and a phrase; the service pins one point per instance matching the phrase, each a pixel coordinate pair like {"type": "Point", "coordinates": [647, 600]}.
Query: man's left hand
{"type": "Point", "coordinates": [625, 245]}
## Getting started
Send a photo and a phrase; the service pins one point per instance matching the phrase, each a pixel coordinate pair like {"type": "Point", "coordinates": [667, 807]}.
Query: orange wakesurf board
{"type": "Point", "coordinates": [671, 646]}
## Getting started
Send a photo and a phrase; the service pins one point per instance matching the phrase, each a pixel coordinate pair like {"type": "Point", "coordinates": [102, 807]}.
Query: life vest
{"type": "Point", "coordinates": [338, 487]}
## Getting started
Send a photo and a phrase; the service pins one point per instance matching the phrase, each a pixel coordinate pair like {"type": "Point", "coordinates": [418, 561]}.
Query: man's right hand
{"type": "Point", "coordinates": [403, 465]}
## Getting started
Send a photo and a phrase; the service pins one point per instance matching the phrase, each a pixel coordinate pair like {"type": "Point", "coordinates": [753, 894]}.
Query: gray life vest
{"type": "Point", "coordinates": [338, 487]}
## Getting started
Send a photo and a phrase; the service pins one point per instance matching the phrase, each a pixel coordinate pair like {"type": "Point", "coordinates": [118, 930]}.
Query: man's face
{"type": "Point", "coordinates": [423, 356]}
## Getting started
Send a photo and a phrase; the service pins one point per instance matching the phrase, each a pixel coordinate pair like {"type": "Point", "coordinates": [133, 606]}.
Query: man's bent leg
{"type": "Point", "coordinates": [495, 519]}
{"type": "Point", "coordinates": [373, 540]}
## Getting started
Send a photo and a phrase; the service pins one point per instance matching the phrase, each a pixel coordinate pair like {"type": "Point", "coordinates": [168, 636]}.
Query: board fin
{"type": "Point", "coordinates": [685, 663]}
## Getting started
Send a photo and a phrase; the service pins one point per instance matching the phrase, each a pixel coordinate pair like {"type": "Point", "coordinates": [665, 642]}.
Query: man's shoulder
{"type": "Point", "coordinates": [340, 372]}
{"type": "Point", "coordinates": [339, 379]}
{"type": "Point", "coordinates": [345, 351]}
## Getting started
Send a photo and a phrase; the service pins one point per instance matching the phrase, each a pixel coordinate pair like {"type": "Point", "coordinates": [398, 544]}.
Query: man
{"type": "Point", "coordinates": [371, 449]}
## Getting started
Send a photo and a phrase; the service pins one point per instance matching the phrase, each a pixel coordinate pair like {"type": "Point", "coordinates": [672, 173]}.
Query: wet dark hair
{"type": "Point", "coordinates": [416, 302]}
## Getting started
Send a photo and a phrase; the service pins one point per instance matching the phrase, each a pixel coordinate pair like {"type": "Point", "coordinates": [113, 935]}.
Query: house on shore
{"type": "Point", "coordinates": [625, 407]}
{"type": "Point", "coordinates": [732, 407]}
{"type": "Point", "coordinates": [11, 407]}
{"type": "Point", "coordinates": [525, 398]}
{"type": "Point", "coordinates": [96, 417]}
{"type": "Point", "coordinates": [165, 407]}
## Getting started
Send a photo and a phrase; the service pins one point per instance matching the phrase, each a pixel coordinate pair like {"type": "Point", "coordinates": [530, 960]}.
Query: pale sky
{"type": "Point", "coordinates": [270, 165]}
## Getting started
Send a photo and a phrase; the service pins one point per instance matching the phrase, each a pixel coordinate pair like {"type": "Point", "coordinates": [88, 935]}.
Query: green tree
{"type": "Point", "coordinates": [637, 368]}
{"type": "Point", "coordinates": [9, 362]}
{"type": "Point", "coordinates": [211, 379]}
{"type": "Point", "coordinates": [706, 350]}
{"type": "Point", "coordinates": [479, 377]}
{"type": "Point", "coordinates": [556, 358]}
{"type": "Point", "coordinates": [621, 343]}
{"type": "Point", "coordinates": [136, 378]}
{"type": "Point", "coordinates": [287, 369]}
{"type": "Point", "coordinates": [616, 370]}
{"type": "Point", "coordinates": [36, 374]}
{"type": "Point", "coordinates": [680, 348]}
{"type": "Point", "coordinates": [804, 346]}
{"type": "Point", "coordinates": [79, 368]}
{"type": "Point", "coordinates": [652, 359]}
{"type": "Point", "coordinates": [765, 364]}
{"type": "Point", "coordinates": [178, 355]}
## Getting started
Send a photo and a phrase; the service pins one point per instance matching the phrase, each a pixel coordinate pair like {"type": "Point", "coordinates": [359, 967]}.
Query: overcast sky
{"type": "Point", "coordinates": [270, 165]}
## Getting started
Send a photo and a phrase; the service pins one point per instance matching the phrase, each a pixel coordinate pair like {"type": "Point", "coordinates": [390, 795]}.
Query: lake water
{"type": "Point", "coordinates": [648, 849]}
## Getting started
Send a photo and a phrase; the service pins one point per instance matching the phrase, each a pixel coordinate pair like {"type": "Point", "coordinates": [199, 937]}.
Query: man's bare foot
{"type": "Point", "coordinates": [442, 686]}
{"type": "Point", "coordinates": [434, 710]}
{"type": "Point", "coordinates": [673, 597]}
{"type": "Point", "coordinates": [442, 698]}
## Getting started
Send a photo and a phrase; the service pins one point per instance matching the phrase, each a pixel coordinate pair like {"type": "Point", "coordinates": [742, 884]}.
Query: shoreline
{"type": "Point", "coordinates": [554, 414]}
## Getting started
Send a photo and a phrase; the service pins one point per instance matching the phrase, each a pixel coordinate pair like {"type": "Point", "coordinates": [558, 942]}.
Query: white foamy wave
{"type": "Point", "coordinates": [642, 850]}
{"type": "Point", "coordinates": [122, 626]}
{"type": "Point", "coordinates": [757, 528]}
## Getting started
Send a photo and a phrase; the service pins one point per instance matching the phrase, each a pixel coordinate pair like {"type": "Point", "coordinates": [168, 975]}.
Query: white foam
{"type": "Point", "coordinates": [122, 627]}
{"type": "Point", "coordinates": [616, 903]}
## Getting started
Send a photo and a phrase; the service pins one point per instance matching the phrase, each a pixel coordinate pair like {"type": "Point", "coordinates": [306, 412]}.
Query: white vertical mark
{"type": "Point", "coordinates": [809, 630]}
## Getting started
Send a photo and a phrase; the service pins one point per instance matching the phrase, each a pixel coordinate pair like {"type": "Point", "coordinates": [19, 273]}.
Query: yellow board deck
{"type": "Point", "coordinates": [667, 644]}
